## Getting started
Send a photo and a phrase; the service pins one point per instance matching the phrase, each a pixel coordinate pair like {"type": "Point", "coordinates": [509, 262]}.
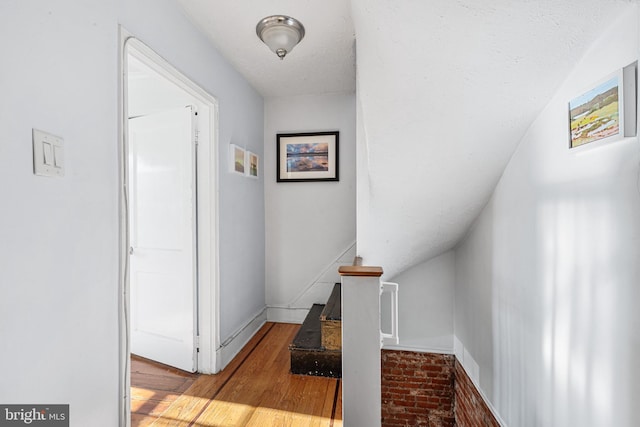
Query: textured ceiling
{"type": "Point", "coordinates": [323, 62]}
{"type": "Point", "coordinates": [446, 89]}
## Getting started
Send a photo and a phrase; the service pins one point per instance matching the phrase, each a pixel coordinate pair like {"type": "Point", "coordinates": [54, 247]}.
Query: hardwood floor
{"type": "Point", "coordinates": [255, 389]}
{"type": "Point", "coordinates": [153, 388]}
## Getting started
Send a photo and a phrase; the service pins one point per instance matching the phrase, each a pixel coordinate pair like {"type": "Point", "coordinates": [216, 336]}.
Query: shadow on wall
{"type": "Point", "coordinates": [562, 307]}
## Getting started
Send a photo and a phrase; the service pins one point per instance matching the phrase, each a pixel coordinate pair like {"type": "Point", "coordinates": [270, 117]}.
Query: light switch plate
{"type": "Point", "coordinates": [48, 154]}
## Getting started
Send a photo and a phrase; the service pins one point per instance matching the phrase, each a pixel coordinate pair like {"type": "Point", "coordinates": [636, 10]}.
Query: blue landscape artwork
{"type": "Point", "coordinates": [308, 157]}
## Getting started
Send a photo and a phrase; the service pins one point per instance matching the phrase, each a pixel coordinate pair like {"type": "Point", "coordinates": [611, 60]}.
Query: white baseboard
{"type": "Point", "coordinates": [434, 350]}
{"type": "Point", "coordinates": [232, 346]}
{"type": "Point", "coordinates": [443, 344]}
{"type": "Point", "coordinates": [286, 314]}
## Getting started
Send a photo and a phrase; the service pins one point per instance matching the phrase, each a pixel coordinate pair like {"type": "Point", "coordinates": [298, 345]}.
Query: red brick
{"type": "Point", "coordinates": [469, 408]}
{"type": "Point", "coordinates": [414, 402]}
{"type": "Point", "coordinates": [429, 390]}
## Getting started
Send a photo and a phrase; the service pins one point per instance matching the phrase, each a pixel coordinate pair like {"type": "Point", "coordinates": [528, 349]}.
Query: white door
{"type": "Point", "coordinates": [162, 225]}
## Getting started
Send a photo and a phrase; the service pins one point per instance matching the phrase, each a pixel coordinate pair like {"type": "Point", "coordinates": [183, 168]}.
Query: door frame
{"type": "Point", "coordinates": [207, 272]}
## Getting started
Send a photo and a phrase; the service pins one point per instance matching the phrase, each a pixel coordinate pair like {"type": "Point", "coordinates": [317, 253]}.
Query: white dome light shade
{"type": "Point", "coordinates": [280, 33]}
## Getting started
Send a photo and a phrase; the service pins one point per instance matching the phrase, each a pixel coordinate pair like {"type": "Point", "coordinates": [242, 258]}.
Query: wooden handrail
{"type": "Point", "coordinates": [358, 270]}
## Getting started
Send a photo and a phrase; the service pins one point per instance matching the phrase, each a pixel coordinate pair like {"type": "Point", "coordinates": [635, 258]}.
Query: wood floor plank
{"type": "Point", "coordinates": [256, 389]}
{"type": "Point", "coordinates": [329, 399]}
{"type": "Point", "coordinates": [337, 415]}
{"type": "Point", "coordinates": [150, 407]}
{"type": "Point", "coordinates": [260, 373]}
{"type": "Point", "coordinates": [143, 394]}
{"type": "Point", "coordinates": [140, 420]}
{"type": "Point", "coordinates": [189, 406]}
{"type": "Point", "coordinates": [154, 388]}
{"type": "Point", "coordinates": [164, 383]}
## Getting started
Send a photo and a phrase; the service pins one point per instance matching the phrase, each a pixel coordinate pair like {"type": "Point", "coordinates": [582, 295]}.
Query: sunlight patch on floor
{"type": "Point", "coordinates": [231, 414]}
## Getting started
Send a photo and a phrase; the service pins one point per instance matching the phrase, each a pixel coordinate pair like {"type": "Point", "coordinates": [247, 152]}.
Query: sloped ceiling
{"type": "Point", "coordinates": [446, 89]}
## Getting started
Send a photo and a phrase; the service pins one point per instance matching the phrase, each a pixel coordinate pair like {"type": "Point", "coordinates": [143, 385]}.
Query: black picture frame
{"type": "Point", "coordinates": [307, 157]}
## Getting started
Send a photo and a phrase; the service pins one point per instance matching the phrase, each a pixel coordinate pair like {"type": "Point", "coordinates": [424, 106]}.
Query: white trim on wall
{"type": "Point", "coordinates": [416, 349]}
{"type": "Point", "coordinates": [286, 314]}
{"type": "Point", "coordinates": [316, 292]}
{"type": "Point", "coordinates": [232, 346]}
{"type": "Point", "coordinates": [330, 273]}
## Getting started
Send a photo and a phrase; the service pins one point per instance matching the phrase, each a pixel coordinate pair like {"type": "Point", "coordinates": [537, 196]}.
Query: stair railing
{"type": "Point", "coordinates": [362, 339]}
{"type": "Point", "coordinates": [390, 338]}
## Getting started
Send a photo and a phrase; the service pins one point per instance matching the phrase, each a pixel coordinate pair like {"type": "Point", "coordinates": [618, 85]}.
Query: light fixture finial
{"type": "Point", "coordinates": [280, 33]}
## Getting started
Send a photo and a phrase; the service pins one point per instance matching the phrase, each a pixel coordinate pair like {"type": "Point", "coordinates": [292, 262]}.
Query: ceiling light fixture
{"type": "Point", "coordinates": [281, 33]}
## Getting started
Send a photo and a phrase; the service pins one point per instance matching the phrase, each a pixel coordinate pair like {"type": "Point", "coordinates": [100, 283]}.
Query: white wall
{"type": "Point", "coordinates": [425, 305]}
{"type": "Point", "coordinates": [59, 250]}
{"type": "Point", "coordinates": [547, 279]}
{"type": "Point", "coordinates": [59, 237]}
{"type": "Point", "coordinates": [309, 225]}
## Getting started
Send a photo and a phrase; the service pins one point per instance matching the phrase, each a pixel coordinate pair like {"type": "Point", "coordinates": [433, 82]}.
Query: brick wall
{"type": "Point", "coordinates": [470, 408]}
{"type": "Point", "coordinates": [430, 390]}
{"type": "Point", "coordinates": [417, 389]}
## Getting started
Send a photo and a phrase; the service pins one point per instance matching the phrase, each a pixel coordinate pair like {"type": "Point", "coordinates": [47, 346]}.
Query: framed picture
{"type": "Point", "coordinates": [252, 161]}
{"type": "Point", "coordinates": [236, 159]}
{"type": "Point", "coordinates": [605, 112]}
{"type": "Point", "coordinates": [307, 156]}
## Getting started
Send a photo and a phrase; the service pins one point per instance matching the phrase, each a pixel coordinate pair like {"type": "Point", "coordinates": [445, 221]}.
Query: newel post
{"type": "Point", "coordinates": [361, 371]}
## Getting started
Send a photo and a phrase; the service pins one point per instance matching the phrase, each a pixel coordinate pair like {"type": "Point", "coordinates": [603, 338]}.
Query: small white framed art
{"type": "Point", "coordinates": [236, 159]}
{"type": "Point", "coordinates": [252, 163]}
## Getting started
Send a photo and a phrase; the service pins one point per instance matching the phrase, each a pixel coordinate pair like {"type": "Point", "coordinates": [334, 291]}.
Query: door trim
{"type": "Point", "coordinates": [208, 276]}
